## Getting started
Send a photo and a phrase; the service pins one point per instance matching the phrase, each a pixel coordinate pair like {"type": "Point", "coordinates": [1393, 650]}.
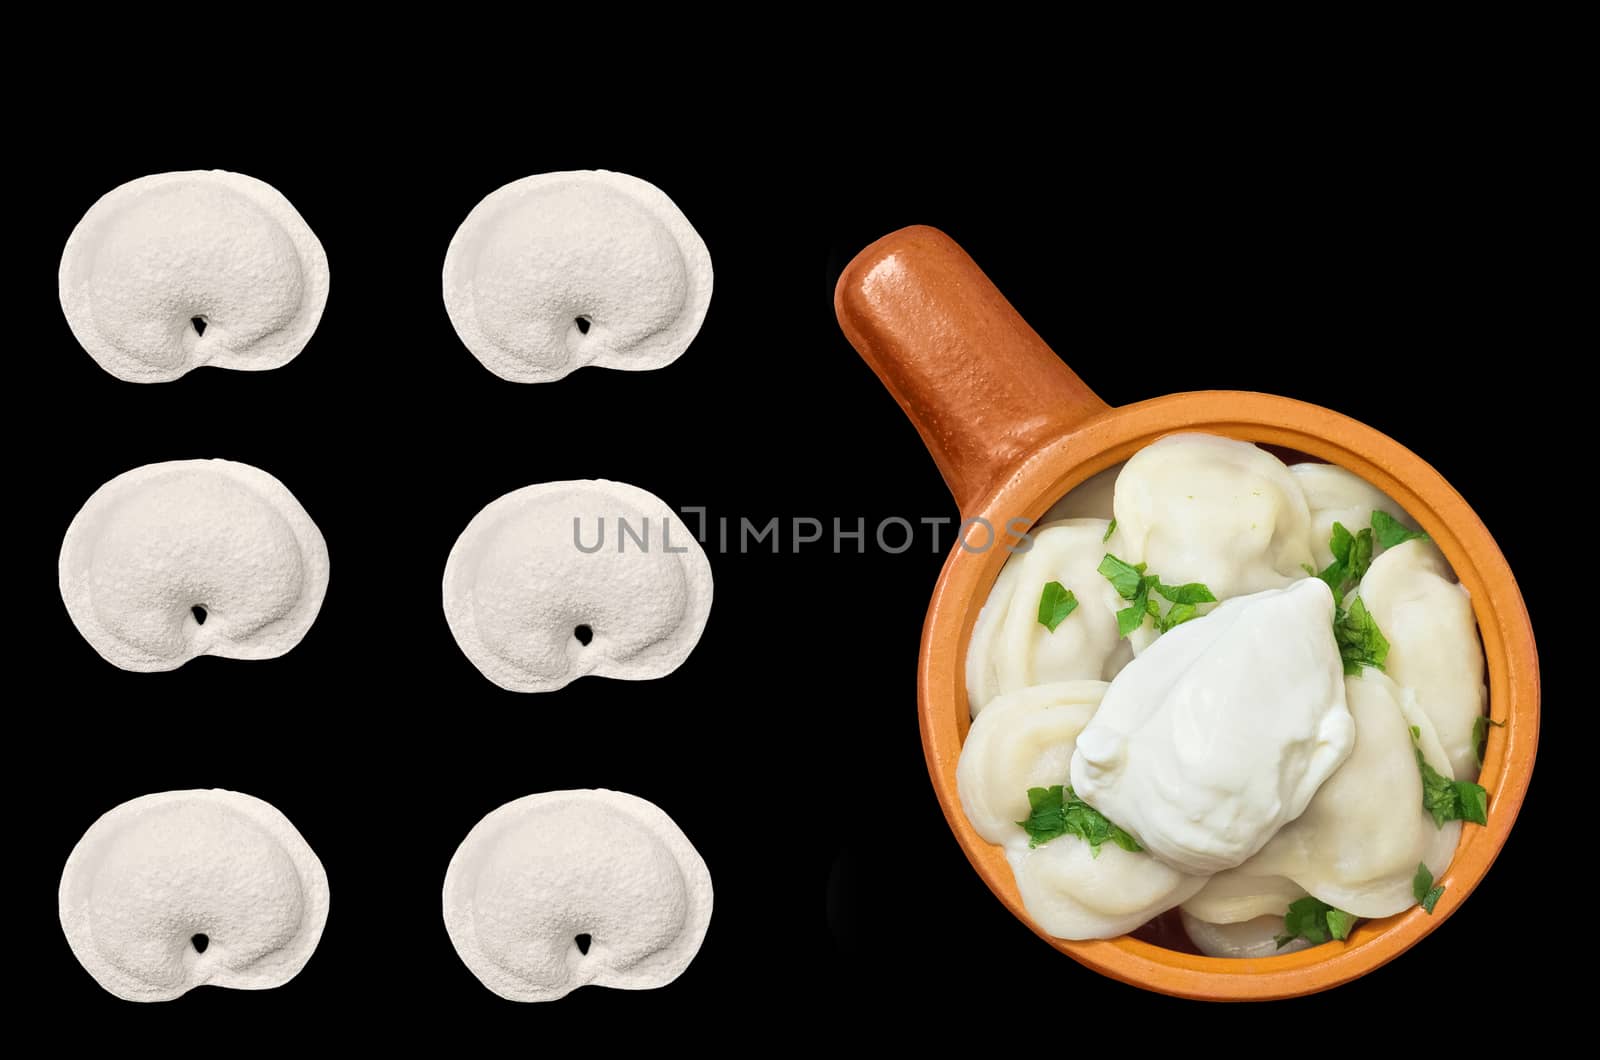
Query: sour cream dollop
{"type": "Point", "coordinates": [1222, 730]}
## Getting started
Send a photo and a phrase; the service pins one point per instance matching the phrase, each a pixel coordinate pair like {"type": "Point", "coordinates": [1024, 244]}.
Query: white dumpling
{"type": "Point", "coordinates": [983, 678]}
{"type": "Point", "coordinates": [1235, 896]}
{"type": "Point", "coordinates": [1072, 894]}
{"type": "Point", "coordinates": [1247, 938]}
{"type": "Point", "coordinates": [1023, 740]}
{"type": "Point", "coordinates": [1426, 616]}
{"type": "Point", "coordinates": [1358, 843]}
{"type": "Point", "coordinates": [1198, 508]}
{"type": "Point", "coordinates": [1335, 495]}
{"type": "Point", "coordinates": [1010, 649]}
{"type": "Point", "coordinates": [1090, 499]}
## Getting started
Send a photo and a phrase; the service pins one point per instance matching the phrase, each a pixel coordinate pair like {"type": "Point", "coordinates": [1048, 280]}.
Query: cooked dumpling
{"type": "Point", "coordinates": [1358, 843]}
{"type": "Point", "coordinates": [1426, 616]}
{"type": "Point", "coordinates": [1247, 938]}
{"type": "Point", "coordinates": [1237, 895]}
{"type": "Point", "coordinates": [1198, 508]}
{"type": "Point", "coordinates": [1335, 495]}
{"type": "Point", "coordinates": [1011, 649]}
{"type": "Point", "coordinates": [1025, 740]}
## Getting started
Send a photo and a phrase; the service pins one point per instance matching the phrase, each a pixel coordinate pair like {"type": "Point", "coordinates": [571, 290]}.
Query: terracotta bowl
{"type": "Point", "coordinates": [1012, 428]}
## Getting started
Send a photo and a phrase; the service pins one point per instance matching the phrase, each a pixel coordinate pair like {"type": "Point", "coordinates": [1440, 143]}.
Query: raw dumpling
{"type": "Point", "coordinates": [1023, 740]}
{"type": "Point", "coordinates": [1358, 843]}
{"type": "Point", "coordinates": [181, 889]}
{"type": "Point", "coordinates": [177, 270]}
{"type": "Point", "coordinates": [561, 889]}
{"type": "Point", "coordinates": [175, 560]}
{"type": "Point", "coordinates": [1339, 496]}
{"type": "Point", "coordinates": [1426, 616]}
{"type": "Point", "coordinates": [1013, 650]}
{"type": "Point", "coordinates": [1198, 508]}
{"type": "Point", "coordinates": [559, 270]}
{"type": "Point", "coordinates": [1247, 938]}
{"type": "Point", "coordinates": [562, 579]}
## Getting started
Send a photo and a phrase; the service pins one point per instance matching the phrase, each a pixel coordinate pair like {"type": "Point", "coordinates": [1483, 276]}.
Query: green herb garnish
{"type": "Point", "coordinates": [1057, 811]}
{"type": "Point", "coordinates": [1392, 532]}
{"type": "Point", "coordinates": [1134, 585]}
{"type": "Point", "coordinates": [1055, 604]}
{"type": "Point", "coordinates": [1352, 555]}
{"type": "Point", "coordinates": [1422, 886]}
{"type": "Point", "coordinates": [1315, 921]}
{"type": "Point", "coordinates": [1480, 735]}
{"type": "Point", "coordinates": [1111, 529]}
{"type": "Point", "coordinates": [1450, 800]}
{"type": "Point", "coordinates": [1360, 641]}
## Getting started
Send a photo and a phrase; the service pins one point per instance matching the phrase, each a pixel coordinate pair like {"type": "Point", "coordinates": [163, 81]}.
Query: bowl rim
{"type": "Point", "coordinates": [973, 563]}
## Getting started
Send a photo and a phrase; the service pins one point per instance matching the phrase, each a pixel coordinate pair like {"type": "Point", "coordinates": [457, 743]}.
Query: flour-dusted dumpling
{"type": "Point", "coordinates": [1434, 652]}
{"type": "Point", "coordinates": [1339, 496]}
{"type": "Point", "coordinates": [181, 889]}
{"type": "Point", "coordinates": [561, 889]}
{"type": "Point", "coordinates": [1072, 894]}
{"type": "Point", "coordinates": [192, 557]}
{"type": "Point", "coordinates": [1246, 938]}
{"type": "Point", "coordinates": [562, 579]}
{"type": "Point", "coordinates": [1222, 730]}
{"type": "Point", "coordinates": [1198, 508]}
{"type": "Point", "coordinates": [1022, 740]}
{"type": "Point", "coordinates": [1091, 499]}
{"type": "Point", "coordinates": [177, 270]}
{"type": "Point", "coordinates": [559, 270]}
{"type": "Point", "coordinates": [1358, 843]}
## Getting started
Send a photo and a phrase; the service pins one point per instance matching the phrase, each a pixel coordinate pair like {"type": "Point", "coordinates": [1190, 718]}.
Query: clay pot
{"type": "Point", "coordinates": [1012, 428]}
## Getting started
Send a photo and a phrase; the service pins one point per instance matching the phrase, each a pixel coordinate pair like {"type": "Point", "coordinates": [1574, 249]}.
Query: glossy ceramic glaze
{"type": "Point", "coordinates": [1012, 428]}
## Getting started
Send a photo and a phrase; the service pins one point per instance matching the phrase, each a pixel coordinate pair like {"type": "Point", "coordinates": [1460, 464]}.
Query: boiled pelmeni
{"type": "Point", "coordinates": [1358, 843]}
{"type": "Point", "coordinates": [559, 270]}
{"type": "Point", "coordinates": [1072, 894]}
{"type": "Point", "coordinates": [562, 579]}
{"type": "Point", "coordinates": [1198, 508]}
{"type": "Point", "coordinates": [566, 888]}
{"type": "Point", "coordinates": [1027, 652]}
{"type": "Point", "coordinates": [1426, 616]}
{"type": "Point", "coordinates": [192, 557]}
{"type": "Point", "coordinates": [1236, 895]}
{"type": "Point", "coordinates": [177, 270]}
{"type": "Point", "coordinates": [983, 660]}
{"type": "Point", "coordinates": [182, 889]}
{"type": "Point", "coordinates": [1022, 740]}
{"type": "Point", "coordinates": [1339, 496]}
{"type": "Point", "coordinates": [1246, 938]}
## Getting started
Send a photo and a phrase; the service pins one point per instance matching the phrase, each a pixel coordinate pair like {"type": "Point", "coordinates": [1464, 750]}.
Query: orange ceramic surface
{"type": "Point", "coordinates": [1012, 429]}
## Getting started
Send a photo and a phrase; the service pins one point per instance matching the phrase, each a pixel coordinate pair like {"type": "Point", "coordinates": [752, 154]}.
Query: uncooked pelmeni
{"type": "Point", "coordinates": [566, 888]}
{"type": "Point", "coordinates": [192, 557]}
{"type": "Point", "coordinates": [562, 579]}
{"type": "Point", "coordinates": [177, 270]}
{"type": "Point", "coordinates": [182, 889]}
{"type": "Point", "coordinates": [1335, 495]}
{"type": "Point", "coordinates": [559, 270]}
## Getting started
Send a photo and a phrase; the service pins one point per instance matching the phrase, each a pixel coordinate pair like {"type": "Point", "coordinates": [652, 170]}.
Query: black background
{"type": "Point", "coordinates": [1376, 258]}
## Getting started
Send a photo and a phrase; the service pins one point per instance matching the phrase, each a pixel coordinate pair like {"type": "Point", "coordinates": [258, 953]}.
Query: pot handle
{"type": "Point", "coordinates": [981, 386]}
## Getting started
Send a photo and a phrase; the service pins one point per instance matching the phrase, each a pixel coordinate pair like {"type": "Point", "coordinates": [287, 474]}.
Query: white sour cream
{"type": "Point", "coordinates": [1222, 730]}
